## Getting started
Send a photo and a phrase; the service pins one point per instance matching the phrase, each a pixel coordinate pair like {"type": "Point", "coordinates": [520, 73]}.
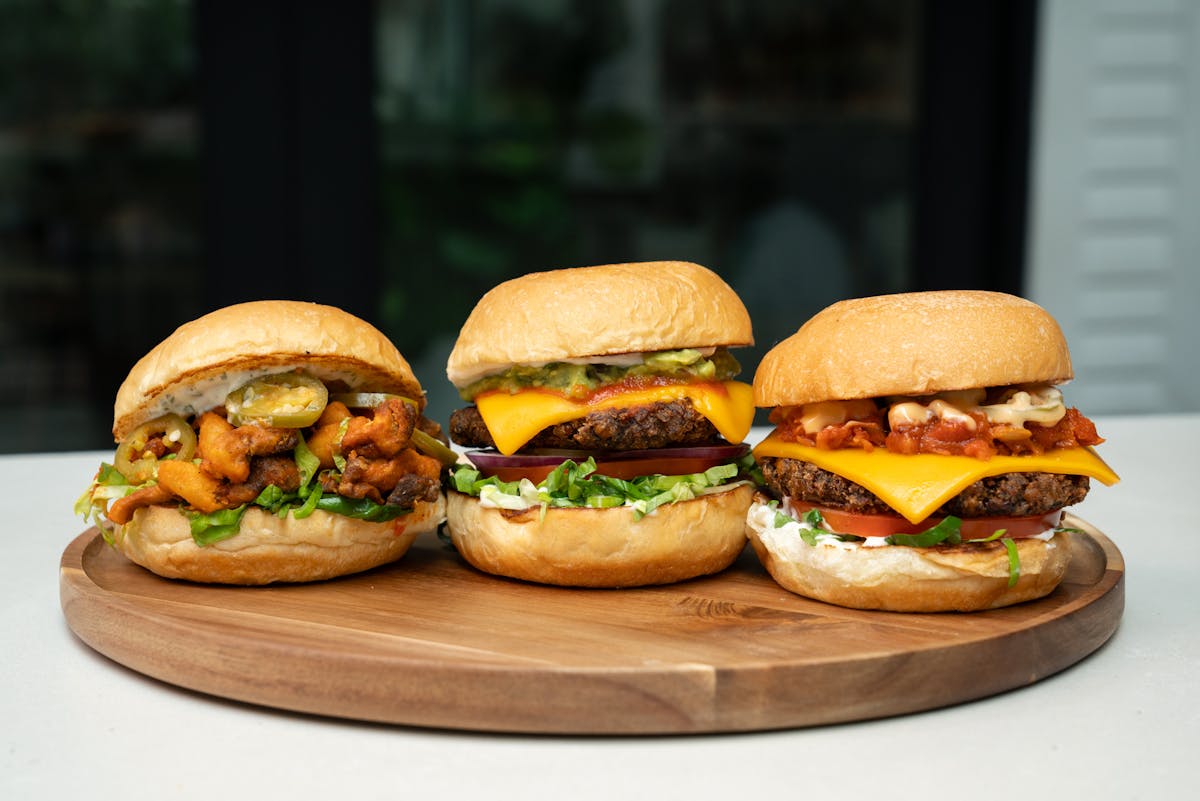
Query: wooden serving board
{"type": "Point", "coordinates": [429, 641]}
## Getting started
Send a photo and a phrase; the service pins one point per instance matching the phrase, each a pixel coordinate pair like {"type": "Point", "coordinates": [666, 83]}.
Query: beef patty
{"type": "Point", "coordinates": [656, 425]}
{"type": "Point", "coordinates": [1007, 495]}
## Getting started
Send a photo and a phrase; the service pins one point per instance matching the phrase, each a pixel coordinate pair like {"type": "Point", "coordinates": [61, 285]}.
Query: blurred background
{"type": "Point", "coordinates": [400, 157]}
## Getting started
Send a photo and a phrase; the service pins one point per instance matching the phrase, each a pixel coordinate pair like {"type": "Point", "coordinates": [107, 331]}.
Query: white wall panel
{"type": "Point", "coordinates": [1114, 214]}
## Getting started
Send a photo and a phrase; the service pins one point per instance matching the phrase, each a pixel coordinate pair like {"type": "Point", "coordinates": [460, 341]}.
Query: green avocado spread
{"type": "Point", "coordinates": [578, 380]}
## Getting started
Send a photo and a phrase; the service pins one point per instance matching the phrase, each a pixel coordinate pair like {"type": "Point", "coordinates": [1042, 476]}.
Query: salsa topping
{"type": "Point", "coordinates": [1005, 421]}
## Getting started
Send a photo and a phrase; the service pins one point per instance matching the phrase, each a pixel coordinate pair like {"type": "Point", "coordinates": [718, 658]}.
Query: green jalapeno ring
{"type": "Point", "coordinates": [282, 400]}
{"type": "Point", "coordinates": [138, 467]}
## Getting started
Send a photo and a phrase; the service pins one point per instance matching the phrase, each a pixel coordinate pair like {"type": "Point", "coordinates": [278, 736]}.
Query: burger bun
{"type": "Point", "coordinates": [269, 548]}
{"type": "Point", "coordinates": [915, 343]}
{"type": "Point", "coordinates": [206, 355]}
{"type": "Point", "coordinates": [602, 547]}
{"type": "Point", "coordinates": [608, 309]}
{"type": "Point", "coordinates": [963, 578]}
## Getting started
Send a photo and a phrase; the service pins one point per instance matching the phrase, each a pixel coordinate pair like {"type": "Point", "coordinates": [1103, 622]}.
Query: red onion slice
{"type": "Point", "coordinates": [490, 459]}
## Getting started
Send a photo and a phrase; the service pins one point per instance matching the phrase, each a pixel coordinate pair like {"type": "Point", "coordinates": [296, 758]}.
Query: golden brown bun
{"type": "Point", "coordinates": [262, 335]}
{"type": "Point", "coordinates": [602, 547]}
{"type": "Point", "coordinates": [596, 311]}
{"type": "Point", "coordinates": [966, 578]}
{"type": "Point", "coordinates": [271, 549]}
{"type": "Point", "coordinates": [916, 343]}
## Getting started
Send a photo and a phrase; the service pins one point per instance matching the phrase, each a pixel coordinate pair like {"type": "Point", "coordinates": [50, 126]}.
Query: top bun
{"type": "Point", "coordinates": [268, 336]}
{"type": "Point", "coordinates": [597, 311]}
{"type": "Point", "coordinates": [915, 343]}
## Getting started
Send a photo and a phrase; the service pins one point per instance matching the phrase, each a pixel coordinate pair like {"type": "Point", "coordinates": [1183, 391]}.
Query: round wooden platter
{"type": "Point", "coordinates": [428, 641]}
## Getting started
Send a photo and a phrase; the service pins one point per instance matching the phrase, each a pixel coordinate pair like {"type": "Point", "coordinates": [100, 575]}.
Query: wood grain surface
{"type": "Point", "coordinates": [430, 642]}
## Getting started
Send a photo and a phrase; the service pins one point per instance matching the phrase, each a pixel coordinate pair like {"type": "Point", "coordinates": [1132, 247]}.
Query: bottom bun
{"type": "Point", "coordinates": [602, 547]}
{"type": "Point", "coordinates": [962, 578]}
{"type": "Point", "coordinates": [268, 548]}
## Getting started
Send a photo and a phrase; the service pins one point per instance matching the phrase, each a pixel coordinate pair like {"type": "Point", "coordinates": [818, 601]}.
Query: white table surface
{"type": "Point", "coordinates": [1123, 723]}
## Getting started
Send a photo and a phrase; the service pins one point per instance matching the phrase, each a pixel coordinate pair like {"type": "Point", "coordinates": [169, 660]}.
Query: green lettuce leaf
{"type": "Point", "coordinates": [359, 508]}
{"type": "Point", "coordinates": [215, 526]}
{"type": "Point", "coordinates": [578, 485]}
{"type": "Point", "coordinates": [946, 532]}
{"type": "Point", "coordinates": [1014, 561]}
{"type": "Point", "coordinates": [306, 461]}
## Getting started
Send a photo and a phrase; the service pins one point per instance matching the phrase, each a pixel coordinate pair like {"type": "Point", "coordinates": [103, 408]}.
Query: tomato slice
{"type": "Point", "coordinates": [871, 525]}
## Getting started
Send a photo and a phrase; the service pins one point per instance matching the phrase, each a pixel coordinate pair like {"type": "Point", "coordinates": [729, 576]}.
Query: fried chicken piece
{"type": "Point", "coordinates": [207, 494]}
{"type": "Point", "coordinates": [225, 451]}
{"type": "Point", "coordinates": [384, 434]}
{"type": "Point", "coordinates": [376, 478]}
{"type": "Point", "coordinates": [121, 510]}
{"type": "Point", "coordinates": [264, 471]}
{"type": "Point", "coordinates": [210, 427]}
{"type": "Point", "coordinates": [186, 480]}
{"type": "Point", "coordinates": [324, 438]}
{"type": "Point", "coordinates": [412, 488]}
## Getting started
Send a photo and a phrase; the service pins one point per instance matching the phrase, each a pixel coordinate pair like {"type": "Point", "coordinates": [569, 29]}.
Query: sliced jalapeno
{"type": "Point", "coordinates": [368, 400]}
{"type": "Point", "coordinates": [138, 464]}
{"type": "Point", "coordinates": [284, 400]}
{"type": "Point", "coordinates": [431, 446]}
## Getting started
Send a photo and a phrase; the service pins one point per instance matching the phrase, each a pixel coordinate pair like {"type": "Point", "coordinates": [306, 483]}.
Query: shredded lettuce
{"type": "Point", "coordinates": [108, 485]}
{"type": "Point", "coordinates": [947, 532]}
{"type": "Point", "coordinates": [577, 485]}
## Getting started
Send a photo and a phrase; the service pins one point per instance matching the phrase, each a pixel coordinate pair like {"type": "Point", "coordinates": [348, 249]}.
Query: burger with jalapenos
{"type": "Point", "coordinates": [269, 441]}
{"type": "Point", "coordinates": [605, 428]}
{"type": "Point", "coordinates": [922, 454]}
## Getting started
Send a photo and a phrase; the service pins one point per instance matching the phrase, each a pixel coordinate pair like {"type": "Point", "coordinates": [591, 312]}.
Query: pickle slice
{"type": "Point", "coordinates": [368, 400]}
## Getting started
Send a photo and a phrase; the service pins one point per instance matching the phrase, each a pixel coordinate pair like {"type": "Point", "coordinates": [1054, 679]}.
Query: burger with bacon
{"type": "Point", "coordinates": [922, 455]}
{"type": "Point", "coordinates": [605, 429]}
{"type": "Point", "coordinates": [269, 441]}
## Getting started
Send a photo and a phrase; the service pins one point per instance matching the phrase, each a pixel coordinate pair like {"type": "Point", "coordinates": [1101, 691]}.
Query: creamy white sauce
{"type": "Point", "coordinates": [816, 416]}
{"type": "Point", "coordinates": [207, 394]}
{"type": "Point", "coordinates": [1041, 403]}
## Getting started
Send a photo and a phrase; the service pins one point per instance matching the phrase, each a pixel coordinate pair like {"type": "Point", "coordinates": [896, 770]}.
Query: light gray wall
{"type": "Point", "coordinates": [1115, 198]}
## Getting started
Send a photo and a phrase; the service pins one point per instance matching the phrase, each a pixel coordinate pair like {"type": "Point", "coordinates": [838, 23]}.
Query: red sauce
{"type": "Point", "coordinates": [945, 437]}
{"type": "Point", "coordinates": [641, 382]}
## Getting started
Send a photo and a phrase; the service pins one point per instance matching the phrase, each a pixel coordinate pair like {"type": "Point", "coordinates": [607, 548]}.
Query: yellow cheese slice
{"type": "Point", "coordinates": [514, 419]}
{"type": "Point", "coordinates": [916, 485]}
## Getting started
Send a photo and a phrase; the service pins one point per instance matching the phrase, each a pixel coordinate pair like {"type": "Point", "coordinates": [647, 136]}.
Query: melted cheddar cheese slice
{"type": "Point", "coordinates": [514, 419]}
{"type": "Point", "coordinates": [916, 485]}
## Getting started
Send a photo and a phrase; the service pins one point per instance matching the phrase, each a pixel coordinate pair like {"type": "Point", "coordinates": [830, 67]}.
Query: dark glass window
{"type": "Point", "coordinates": [398, 158]}
{"type": "Point", "coordinates": [770, 141]}
{"type": "Point", "coordinates": [99, 231]}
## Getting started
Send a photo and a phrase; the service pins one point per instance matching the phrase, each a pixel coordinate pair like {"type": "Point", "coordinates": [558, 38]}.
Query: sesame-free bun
{"type": "Point", "coordinates": [267, 336]}
{"type": "Point", "coordinates": [602, 547]}
{"type": "Point", "coordinates": [597, 311]}
{"type": "Point", "coordinates": [962, 578]}
{"type": "Point", "coordinates": [268, 548]}
{"type": "Point", "coordinates": [915, 343]}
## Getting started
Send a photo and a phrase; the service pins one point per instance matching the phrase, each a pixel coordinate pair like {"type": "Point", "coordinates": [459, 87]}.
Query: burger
{"type": "Point", "coordinates": [604, 435]}
{"type": "Point", "coordinates": [922, 454]}
{"type": "Point", "coordinates": [273, 441]}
